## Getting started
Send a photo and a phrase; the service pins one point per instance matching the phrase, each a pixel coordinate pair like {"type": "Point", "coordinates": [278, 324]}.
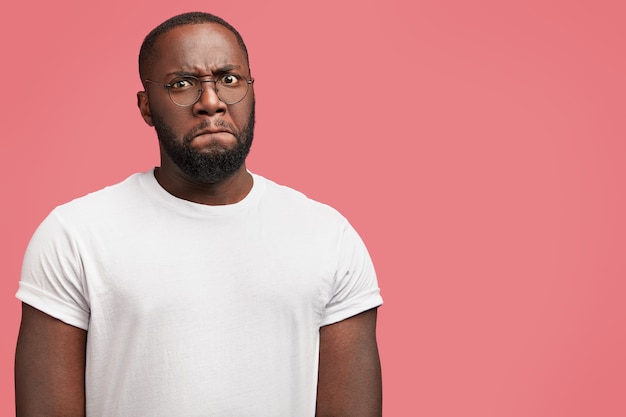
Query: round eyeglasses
{"type": "Point", "coordinates": [186, 91]}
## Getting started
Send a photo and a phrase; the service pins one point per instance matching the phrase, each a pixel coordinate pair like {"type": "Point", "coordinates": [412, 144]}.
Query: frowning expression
{"type": "Point", "coordinates": [209, 135]}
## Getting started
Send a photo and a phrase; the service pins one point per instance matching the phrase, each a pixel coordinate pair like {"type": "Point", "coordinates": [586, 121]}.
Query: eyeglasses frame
{"type": "Point", "coordinates": [169, 85]}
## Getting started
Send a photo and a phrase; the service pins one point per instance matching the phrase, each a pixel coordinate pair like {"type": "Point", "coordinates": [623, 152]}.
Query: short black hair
{"type": "Point", "coordinates": [191, 18]}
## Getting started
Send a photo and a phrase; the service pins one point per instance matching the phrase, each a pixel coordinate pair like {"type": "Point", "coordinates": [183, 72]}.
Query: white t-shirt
{"type": "Point", "coordinates": [196, 310]}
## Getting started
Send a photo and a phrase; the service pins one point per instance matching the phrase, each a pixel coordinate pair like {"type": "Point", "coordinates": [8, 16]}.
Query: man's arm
{"type": "Point", "coordinates": [49, 367]}
{"type": "Point", "coordinates": [349, 371]}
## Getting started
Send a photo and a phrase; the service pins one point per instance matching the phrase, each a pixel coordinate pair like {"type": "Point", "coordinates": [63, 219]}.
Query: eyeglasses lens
{"type": "Point", "coordinates": [187, 91]}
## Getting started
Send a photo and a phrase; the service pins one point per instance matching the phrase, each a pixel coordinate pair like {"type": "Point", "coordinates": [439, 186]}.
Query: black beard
{"type": "Point", "coordinates": [206, 167]}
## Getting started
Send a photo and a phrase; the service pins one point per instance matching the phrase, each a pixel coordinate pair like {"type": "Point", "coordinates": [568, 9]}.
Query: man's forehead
{"type": "Point", "coordinates": [205, 40]}
{"type": "Point", "coordinates": [196, 35]}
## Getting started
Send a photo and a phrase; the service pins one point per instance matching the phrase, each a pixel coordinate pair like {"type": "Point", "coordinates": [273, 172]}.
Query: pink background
{"type": "Point", "coordinates": [478, 147]}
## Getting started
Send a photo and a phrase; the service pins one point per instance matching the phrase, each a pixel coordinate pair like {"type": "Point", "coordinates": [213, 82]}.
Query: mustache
{"type": "Point", "coordinates": [207, 124]}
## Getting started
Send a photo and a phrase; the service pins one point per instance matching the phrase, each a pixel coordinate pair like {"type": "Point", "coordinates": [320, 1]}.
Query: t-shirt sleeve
{"type": "Point", "coordinates": [355, 287]}
{"type": "Point", "coordinates": [52, 278]}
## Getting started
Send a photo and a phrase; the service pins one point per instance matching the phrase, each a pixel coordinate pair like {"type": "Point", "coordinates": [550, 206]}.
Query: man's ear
{"type": "Point", "coordinates": [144, 107]}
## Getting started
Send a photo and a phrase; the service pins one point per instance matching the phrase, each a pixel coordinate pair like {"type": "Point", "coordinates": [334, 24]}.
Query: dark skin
{"type": "Point", "coordinates": [181, 53]}
{"type": "Point", "coordinates": [49, 367]}
{"type": "Point", "coordinates": [349, 380]}
{"type": "Point", "coordinates": [50, 355]}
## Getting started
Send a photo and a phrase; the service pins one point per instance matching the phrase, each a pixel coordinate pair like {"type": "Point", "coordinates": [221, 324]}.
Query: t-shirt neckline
{"type": "Point", "coordinates": [189, 207]}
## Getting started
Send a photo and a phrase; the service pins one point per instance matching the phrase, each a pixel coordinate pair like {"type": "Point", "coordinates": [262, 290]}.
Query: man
{"type": "Point", "coordinates": [198, 288]}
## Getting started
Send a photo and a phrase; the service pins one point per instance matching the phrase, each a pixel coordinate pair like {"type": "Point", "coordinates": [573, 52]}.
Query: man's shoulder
{"type": "Point", "coordinates": [285, 199]}
{"type": "Point", "coordinates": [105, 198]}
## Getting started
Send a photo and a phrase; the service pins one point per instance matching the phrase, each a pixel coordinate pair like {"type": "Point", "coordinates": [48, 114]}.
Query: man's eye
{"type": "Point", "coordinates": [229, 79]}
{"type": "Point", "coordinates": [181, 84]}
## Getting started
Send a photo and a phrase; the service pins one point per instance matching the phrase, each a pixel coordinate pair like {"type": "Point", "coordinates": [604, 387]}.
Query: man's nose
{"type": "Point", "coordinates": [209, 102]}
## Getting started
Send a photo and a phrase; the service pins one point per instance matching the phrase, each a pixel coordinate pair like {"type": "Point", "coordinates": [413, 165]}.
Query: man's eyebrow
{"type": "Point", "coordinates": [227, 68]}
{"type": "Point", "coordinates": [181, 73]}
{"type": "Point", "coordinates": [218, 70]}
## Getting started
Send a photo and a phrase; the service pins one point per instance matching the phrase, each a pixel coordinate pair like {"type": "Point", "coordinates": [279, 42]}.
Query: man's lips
{"type": "Point", "coordinates": [211, 131]}
{"type": "Point", "coordinates": [217, 128]}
